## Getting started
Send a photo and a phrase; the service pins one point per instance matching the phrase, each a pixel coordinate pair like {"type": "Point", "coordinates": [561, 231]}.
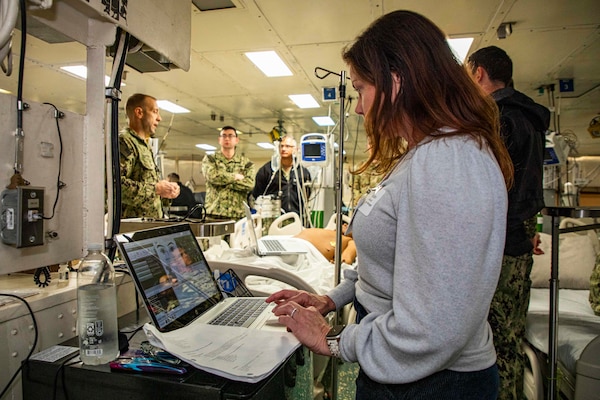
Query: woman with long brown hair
{"type": "Point", "coordinates": [430, 236]}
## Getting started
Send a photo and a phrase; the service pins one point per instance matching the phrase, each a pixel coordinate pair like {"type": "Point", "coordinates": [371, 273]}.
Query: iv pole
{"type": "Point", "coordinates": [338, 203]}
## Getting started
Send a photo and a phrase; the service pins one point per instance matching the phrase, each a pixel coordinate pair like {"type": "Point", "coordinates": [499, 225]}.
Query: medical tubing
{"type": "Point", "coordinates": [312, 199]}
{"type": "Point", "coordinates": [298, 185]}
{"type": "Point", "coordinates": [270, 181]}
{"type": "Point", "coordinates": [279, 176]}
{"type": "Point", "coordinates": [301, 188]}
{"type": "Point", "coordinates": [275, 166]}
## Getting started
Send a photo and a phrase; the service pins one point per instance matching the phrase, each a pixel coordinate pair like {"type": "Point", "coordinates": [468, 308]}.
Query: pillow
{"type": "Point", "coordinates": [595, 287]}
{"type": "Point", "coordinates": [576, 260]}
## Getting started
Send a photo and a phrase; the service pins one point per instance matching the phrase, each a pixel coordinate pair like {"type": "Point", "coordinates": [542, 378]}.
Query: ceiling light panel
{"type": "Point", "coordinates": [171, 107]}
{"type": "Point", "coordinates": [80, 71]}
{"type": "Point", "coordinates": [269, 63]}
{"type": "Point", "coordinates": [324, 121]}
{"type": "Point", "coordinates": [304, 100]}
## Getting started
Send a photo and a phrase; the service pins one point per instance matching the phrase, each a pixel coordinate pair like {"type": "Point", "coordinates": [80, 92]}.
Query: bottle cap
{"type": "Point", "coordinates": [94, 246]}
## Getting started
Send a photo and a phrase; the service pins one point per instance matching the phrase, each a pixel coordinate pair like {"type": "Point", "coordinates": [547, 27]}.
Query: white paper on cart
{"type": "Point", "coordinates": [240, 354]}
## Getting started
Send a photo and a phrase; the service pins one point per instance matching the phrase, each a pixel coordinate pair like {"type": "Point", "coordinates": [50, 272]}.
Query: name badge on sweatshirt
{"type": "Point", "coordinates": [372, 197]}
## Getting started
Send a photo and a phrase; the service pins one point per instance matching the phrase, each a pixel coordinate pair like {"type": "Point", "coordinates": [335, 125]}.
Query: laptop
{"type": "Point", "coordinates": [177, 285]}
{"type": "Point", "coordinates": [270, 247]}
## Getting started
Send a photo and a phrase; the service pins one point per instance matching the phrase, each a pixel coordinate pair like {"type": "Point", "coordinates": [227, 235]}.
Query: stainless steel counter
{"type": "Point", "coordinates": [208, 228]}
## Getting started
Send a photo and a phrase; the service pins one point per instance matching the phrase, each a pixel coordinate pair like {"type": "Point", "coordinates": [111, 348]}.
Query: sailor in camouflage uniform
{"type": "Point", "coordinates": [141, 186]}
{"type": "Point", "coordinates": [523, 124]}
{"type": "Point", "coordinates": [362, 182]}
{"type": "Point", "coordinates": [363, 179]}
{"type": "Point", "coordinates": [229, 178]}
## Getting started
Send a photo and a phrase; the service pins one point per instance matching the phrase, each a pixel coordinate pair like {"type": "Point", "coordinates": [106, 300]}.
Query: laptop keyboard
{"type": "Point", "coordinates": [241, 313]}
{"type": "Point", "coordinates": [273, 245]}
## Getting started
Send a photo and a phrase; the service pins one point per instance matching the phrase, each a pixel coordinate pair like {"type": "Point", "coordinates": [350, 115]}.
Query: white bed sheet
{"type": "Point", "coordinates": [311, 266]}
{"type": "Point", "coordinates": [577, 324]}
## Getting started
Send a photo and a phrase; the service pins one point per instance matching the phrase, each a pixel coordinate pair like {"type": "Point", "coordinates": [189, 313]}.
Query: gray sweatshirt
{"type": "Point", "coordinates": [429, 241]}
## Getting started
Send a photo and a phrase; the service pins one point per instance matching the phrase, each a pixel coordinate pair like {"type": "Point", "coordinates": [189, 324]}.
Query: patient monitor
{"type": "Point", "coordinates": [313, 149]}
{"type": "Point", "coordinates": [557, 149]}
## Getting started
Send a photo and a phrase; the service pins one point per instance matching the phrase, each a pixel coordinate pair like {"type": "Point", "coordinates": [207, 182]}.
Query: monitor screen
{"type": "Point", "coordinates": [312, 149]}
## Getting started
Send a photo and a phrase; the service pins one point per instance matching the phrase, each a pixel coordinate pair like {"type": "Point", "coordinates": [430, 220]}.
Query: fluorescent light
{"type": "Point", "coordinates": [323, 121]}
{"type": "Point", "coordinates": [460, 47]}
{"type": "Point", "coordinates": [77, 70]}
{"type": "Point", "coordinates": [80, 71]}
{"type": "Point", "coordinates": [206, 146]}
{"type": "Point", "coordinates": [269, 63]}
{"type": "Point", "coordinates": [304, 100]}
{"type": "Point", "coordinates": [5, 91]}
{"type": "Point", "coordinates": [172, 107]}
{"type": "Point", "coordinates": [265, 145]}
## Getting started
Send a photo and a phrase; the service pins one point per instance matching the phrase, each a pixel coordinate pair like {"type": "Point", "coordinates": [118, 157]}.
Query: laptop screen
{"type": "Point", "coordinates": [173, 275]}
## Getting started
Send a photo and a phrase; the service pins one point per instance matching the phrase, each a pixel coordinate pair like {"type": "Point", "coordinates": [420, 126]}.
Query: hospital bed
{"type": "Point", "coordinates": [309, 271]}
{"type": "Point", "coordinates": [577, 338]}
{"type": "Point", "coordinates": [311, 267]}
{"type": "Point", "coordinates": [246, 272]}
{"type": "Point", "coordinates": [578, 348]}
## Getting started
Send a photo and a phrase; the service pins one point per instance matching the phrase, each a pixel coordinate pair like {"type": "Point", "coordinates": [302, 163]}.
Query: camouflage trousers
{"type": "Point", "coordinates": [507, 316]}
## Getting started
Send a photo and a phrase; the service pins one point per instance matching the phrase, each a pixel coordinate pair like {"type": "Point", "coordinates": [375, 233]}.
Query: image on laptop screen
{"type": "Point", "coordinates": [170, 269]}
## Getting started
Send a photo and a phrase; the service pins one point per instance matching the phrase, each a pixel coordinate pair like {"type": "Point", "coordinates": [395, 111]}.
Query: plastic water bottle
{"type": "Point", "coordinates": [63, 273]}
{"type": "Point", "coordinates": [97, 308]}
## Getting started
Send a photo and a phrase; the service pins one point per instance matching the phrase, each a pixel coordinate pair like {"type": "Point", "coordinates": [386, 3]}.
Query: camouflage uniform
{"type": "Point", "coordinates": [595, 287]}
{"type": "Point", "coordinates": [224, 194]}
{"type": "Point", "coordinates": [139, 175]}
{"type": "Point", "coordinates": [363, 182]}
{"type": "Point", "coordinates": [507, 318]}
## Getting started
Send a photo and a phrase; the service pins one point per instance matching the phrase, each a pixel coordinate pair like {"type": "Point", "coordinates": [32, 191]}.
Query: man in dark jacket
{"type": "Point", "coordinates": [286, 181]}
{"type": "Point", "coordinates": [523, 125]}
{"type": "Point", "coordinates": [185, 198]}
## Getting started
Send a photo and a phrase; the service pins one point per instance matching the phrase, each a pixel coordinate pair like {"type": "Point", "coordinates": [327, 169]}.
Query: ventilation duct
{"type": "Point", "coordinates": [210, 5]}
{"type": "Point", "coordinates": [143, 58]}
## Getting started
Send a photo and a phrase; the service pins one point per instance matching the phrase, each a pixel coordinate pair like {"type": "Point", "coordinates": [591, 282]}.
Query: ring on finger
{"type": "Point", "coordinates": [293, 312]}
